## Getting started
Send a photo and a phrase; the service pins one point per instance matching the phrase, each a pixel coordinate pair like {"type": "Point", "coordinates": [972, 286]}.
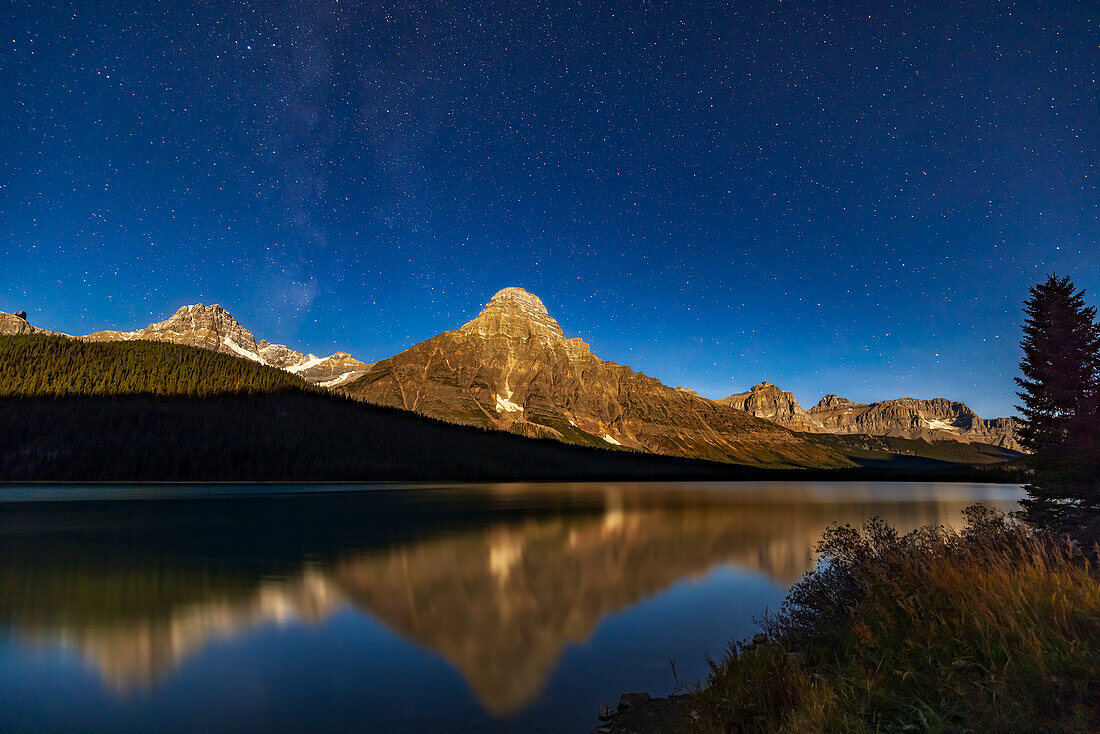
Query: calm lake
{"type": "Point", "coordinates": [457, 609]}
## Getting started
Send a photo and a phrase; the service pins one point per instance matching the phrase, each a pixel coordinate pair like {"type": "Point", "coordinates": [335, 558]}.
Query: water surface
{"type": "Point", "coordinates": [468, 609]}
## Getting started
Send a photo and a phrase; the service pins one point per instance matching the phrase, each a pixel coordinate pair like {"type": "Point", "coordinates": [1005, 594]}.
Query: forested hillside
{"type": "Point", "coordinates": [39, 365]}
{"type": "Point", "coordinates": [151, 411]}
{"type": "Point", "coordinates": [287, 437]}
{"type": "Point", "coordinates": [80, 411]}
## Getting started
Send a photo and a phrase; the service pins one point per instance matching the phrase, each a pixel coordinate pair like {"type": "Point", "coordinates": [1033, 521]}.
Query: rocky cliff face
{"type": "Point", "coordinates": [937, 419]}
{"type": "Point", "coordinates": [1003, 432]}
{"type": "Point", "coordinates": [214, 328]}
{"type": "Point", "coordinates": [512, 368]}
{"type": "Point", "coordinates": [770, 403]}
{"type": "Point", "coordinates": [278, 355]}
{"type": "Point", "coordinates": [207, 327]}
{"type": "Point", "coordinates": [11, 323]}
{"type": "Point", "coordinates": [335, 370]}
{"type": "Point", "coordinates": [329, 371]}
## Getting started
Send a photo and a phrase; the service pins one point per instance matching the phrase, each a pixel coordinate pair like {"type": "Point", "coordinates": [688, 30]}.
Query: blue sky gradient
{"type": "Point", "coordinates": [835, 197]}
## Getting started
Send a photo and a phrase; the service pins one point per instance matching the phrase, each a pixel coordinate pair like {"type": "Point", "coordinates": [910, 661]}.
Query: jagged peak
{"type": "Point", "coordinates": [214, 313]}
{"type": "Point", "coordinates": [831, 401]}
{"type": "Point", "coordinates": [213, 309]}
{"type": "Point", "coordinates": [515, 297]}
{"type": "Point", "coordinates": [764, 385]}
{"type": "Point", "coordinates": [512, 308]}
{"type": "Point", "coordinates": [211, 327]}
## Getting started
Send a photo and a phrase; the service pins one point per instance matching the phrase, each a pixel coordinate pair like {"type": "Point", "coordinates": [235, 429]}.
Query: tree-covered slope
{"type": "Point", "coordinates": [150, 411]}
{"type": "Point", "coordinates": [55, 366]}
{"type": "Point", "coordinates": [288, 437]}
{"type": "Point", "coordinates": [85, 411]}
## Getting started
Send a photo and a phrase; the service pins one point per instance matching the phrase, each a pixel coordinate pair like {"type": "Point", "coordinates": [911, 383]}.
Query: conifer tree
{"type": "Point", "coordinates": [1060, 392]}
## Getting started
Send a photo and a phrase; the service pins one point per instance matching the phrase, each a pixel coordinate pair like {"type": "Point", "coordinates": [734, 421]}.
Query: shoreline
{"type": "Point", "coordinates": [43, 493]}
{"type": "Point", "coordinates": [640, 713]}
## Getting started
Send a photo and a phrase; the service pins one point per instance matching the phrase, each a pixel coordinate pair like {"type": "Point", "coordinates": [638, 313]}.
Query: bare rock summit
{"type": "Point", "coordinates": [936, 419]}
{"type": "Point", "coordinates": [511, 367]}
{"type": "Point", "coordinates": [771, 403]}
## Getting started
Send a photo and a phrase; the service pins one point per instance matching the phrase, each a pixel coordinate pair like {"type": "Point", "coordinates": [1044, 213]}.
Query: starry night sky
{"type": "Point", "coordinates": [837, 197]}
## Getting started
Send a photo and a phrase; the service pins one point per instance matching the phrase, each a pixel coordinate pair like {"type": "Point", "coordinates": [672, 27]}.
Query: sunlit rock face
{"type": "Point", "coordinates": [278, 355]}
{"type": "Point", "coordinates": [329, 371]}
{"type": "Point", "coordinates": [512, 368]}
{"type": "Point", "coordinates": [937, 419]}
{"type": "Point", "coordinates": [1003, 432]}
{"type": "Point", "coordinates": [214, 328]}
{"type": "Point", "coordinates": [515, 313]}
{"type": "Point", "coordinates": [334, 370]}
{"type": "Point", "coordinates": [208, 327]}
{"type": "Point", "coordinates": [17, 324]}
{"type": "Point", "coordinates": [771, 403]}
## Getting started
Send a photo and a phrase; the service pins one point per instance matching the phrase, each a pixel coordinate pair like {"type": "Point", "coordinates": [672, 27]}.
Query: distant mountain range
{"type": "Point", "coordinates": [212, 327]}
{"type": "Point", "coordinates": [512, 368]}
{"type": "Point", "coordinates": [937, 419]}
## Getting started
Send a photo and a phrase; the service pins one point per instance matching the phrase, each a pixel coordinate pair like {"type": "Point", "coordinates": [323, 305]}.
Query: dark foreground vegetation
{"type": "Point", "coordinates": [994, 628]}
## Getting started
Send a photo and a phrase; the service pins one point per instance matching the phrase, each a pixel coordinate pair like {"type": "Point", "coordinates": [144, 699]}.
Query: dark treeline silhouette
{"type": "Point", "coordinates": [314, 438]}
{"type": "Point", "coordinates": [151, 411]}
{"type": "Point", "coordinates": [292, 437]}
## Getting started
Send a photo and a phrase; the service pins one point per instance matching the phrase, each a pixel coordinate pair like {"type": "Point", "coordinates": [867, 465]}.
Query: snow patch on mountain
{"type": "Point", "coordinates": [311, 361]}
{"type": "Point", "coordinates": [506, 405]}
{"type": "Point", "coordinates": [242, 352]}
{"type": "Point", "coordinates": [939, 425]}
{"type": "Point", "coordinates": [338, 380]}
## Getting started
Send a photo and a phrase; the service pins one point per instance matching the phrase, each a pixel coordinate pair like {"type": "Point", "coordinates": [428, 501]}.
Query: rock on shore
{"type": "Point", "coordinates": [639, 713]}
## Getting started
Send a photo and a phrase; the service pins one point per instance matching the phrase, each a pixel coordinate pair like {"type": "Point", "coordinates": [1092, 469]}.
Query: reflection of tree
{"type": "Point", "coordinates": [500, 600]}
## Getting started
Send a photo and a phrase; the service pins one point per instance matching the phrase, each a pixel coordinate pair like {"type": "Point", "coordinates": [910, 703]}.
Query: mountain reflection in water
{"type": "Point", "coordinates": [498, 580]}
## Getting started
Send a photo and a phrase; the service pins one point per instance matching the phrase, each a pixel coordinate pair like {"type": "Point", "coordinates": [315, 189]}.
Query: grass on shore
{"type": "Point", "coordinates": [993, 628]}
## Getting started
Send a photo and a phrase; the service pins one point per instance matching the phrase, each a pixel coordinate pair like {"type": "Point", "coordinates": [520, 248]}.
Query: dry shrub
{"type": "Point", "coordinates": [994, 628]}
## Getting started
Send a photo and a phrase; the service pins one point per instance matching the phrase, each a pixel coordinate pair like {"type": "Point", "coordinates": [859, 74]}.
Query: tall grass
{"type": "Point", "coordinates": [993, 628]}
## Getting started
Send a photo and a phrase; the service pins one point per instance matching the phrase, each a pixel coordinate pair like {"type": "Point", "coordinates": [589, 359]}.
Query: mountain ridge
{"type": "Point", "coordinates": [512, 368]}
{"type": "Point", "coordinates": [928, 419]}
{"type": "Point", "coordinates": [213, 327]}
